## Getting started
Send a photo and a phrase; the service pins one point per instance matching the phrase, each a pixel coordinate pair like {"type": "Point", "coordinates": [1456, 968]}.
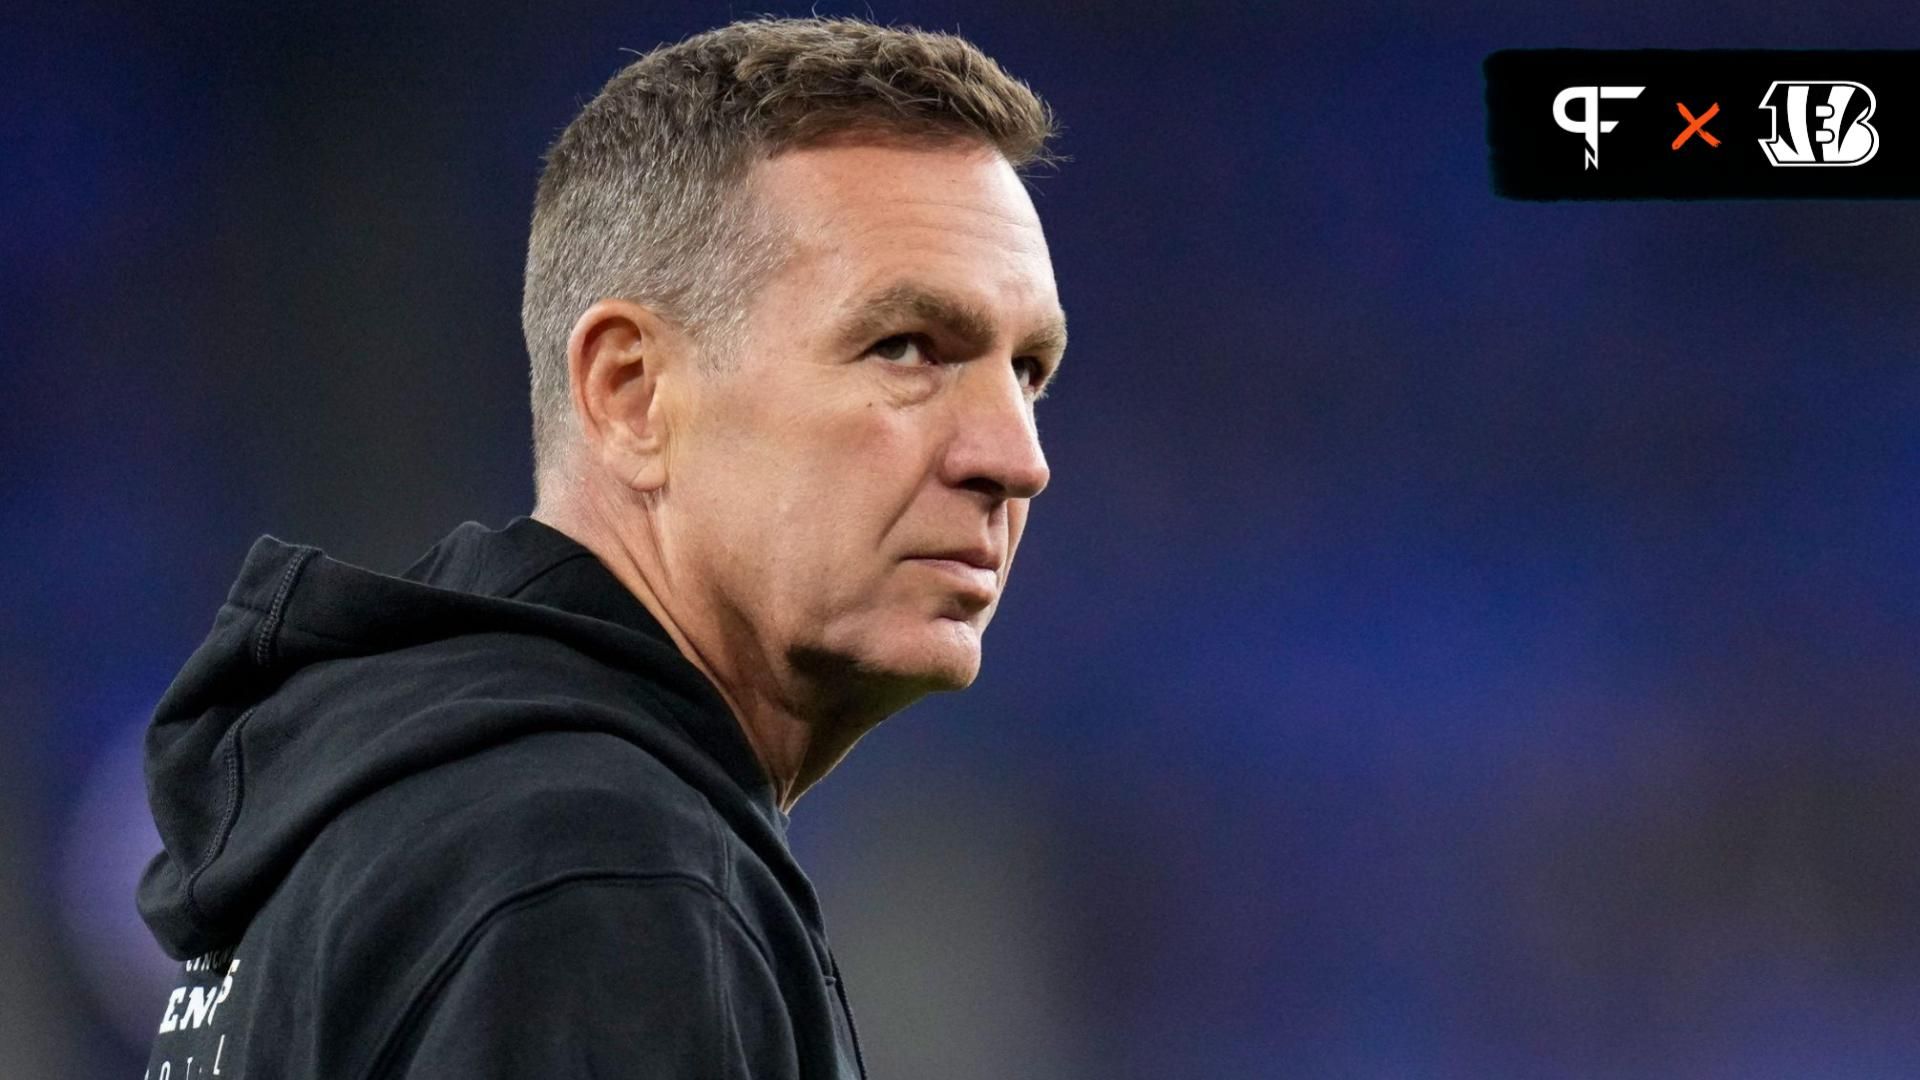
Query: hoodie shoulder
{"type": "Point", "coordinates": [365, 924]}
{"type": "Point", "coordinates": [544, 802]}
{"type": "Point", "coordinates": [539, 808]}
{"type": "Point", "coordinates": [331, 702]}
{"type": "Point", "coordinates": [357, 770]}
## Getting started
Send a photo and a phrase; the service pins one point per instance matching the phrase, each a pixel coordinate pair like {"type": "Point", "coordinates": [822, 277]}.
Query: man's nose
{"type": "Point", "coordinates": [995, 447]}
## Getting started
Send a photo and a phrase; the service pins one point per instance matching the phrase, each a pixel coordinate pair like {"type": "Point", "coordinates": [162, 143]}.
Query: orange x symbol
{"type": "Point", "coordinates": [1699, 125]}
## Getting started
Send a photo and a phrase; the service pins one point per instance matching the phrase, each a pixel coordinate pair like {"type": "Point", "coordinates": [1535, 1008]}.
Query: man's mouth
{"type": "Point", "coordinates": [978, 574]}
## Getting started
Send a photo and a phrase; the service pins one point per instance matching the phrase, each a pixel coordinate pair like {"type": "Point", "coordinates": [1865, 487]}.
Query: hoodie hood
{"type": "Point", "coordinates": [323, 682]}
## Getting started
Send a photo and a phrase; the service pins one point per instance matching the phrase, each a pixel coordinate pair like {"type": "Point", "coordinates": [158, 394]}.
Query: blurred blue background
{"type": "Point", "coordinates": [1463, 638]}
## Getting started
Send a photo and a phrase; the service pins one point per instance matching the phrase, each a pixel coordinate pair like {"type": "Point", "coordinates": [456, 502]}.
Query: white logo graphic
{"type": "Point", "coordinates": [1590, 125]}
{"type": "Point", "coordinates": [1826, 124]}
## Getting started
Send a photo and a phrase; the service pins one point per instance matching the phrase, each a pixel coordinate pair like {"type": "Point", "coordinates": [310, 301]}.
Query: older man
{"type": "Point", "coordinates": [521, 810]}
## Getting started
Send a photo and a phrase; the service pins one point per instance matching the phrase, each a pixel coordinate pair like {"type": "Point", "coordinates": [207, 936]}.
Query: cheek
{"type": "Point", "coordinates": [806, 483]}
{"type": "Point", "coordinates": [868, 455]}
{"type": "Point", "coordinates": [835, 488]}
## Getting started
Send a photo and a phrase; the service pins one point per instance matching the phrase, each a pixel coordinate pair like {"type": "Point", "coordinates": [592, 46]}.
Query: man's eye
{"type": "Point", "coordinates": [899, 348]}
{"type": "Point", "coordinates": [1031, 370]}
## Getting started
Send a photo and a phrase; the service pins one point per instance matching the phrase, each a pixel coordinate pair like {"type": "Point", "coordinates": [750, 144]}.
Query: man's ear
{"type": "Point", "coordinates": [616, 357]}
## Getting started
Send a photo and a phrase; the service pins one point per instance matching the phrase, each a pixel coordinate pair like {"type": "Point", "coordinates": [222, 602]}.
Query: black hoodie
{"type": "Point", "coordinates": [479, 820]}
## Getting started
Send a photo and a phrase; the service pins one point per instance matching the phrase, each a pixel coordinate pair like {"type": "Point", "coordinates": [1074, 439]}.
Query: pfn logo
{"type": "Point", "coordinates": [1590, 124]}
{"type": "Point", "coordinates": [1826, 124]}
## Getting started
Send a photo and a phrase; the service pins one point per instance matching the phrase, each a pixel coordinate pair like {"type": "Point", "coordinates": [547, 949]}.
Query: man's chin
{"type": "Point", "coordinates": [903, 663]}
{"type": "Point", "coordinates": [953, 663]}
{"type": "Point", "coordinates": [939, 656]}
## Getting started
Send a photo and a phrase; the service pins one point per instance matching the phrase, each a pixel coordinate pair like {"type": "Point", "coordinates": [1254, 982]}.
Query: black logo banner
{"type": "Point", "coordinates": [1704, 124]}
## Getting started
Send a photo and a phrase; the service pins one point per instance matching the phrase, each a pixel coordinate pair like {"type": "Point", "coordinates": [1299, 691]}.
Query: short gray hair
{"type": "Point", "coordinates": [643, 195]}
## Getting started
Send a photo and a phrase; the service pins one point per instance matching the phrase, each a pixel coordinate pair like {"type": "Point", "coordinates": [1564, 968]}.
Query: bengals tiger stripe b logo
{"type": "Point", "coordinates": [1825, 123]}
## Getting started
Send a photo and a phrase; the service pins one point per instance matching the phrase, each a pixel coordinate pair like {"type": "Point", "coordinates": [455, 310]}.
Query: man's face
{"type": "Point", "coordinates": [853, 484]}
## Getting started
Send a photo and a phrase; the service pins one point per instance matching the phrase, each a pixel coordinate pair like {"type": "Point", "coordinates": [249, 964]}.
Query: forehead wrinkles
{"type": "Point", "coordinates": [874, 231]}
{"type": "Point", "coordinates": [848, 189]}
{"type": "Point", "coordinates": [876, 244]}
{"type": "Point", "coordinates": [859, 220]}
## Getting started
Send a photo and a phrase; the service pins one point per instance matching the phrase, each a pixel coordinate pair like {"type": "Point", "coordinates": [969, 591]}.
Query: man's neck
{"type": "Point", "coordinates": [796, 744]}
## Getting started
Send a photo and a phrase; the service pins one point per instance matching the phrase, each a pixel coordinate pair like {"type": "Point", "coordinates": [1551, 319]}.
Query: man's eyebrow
{"type": "Point", "coordinates": [882, 314]}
